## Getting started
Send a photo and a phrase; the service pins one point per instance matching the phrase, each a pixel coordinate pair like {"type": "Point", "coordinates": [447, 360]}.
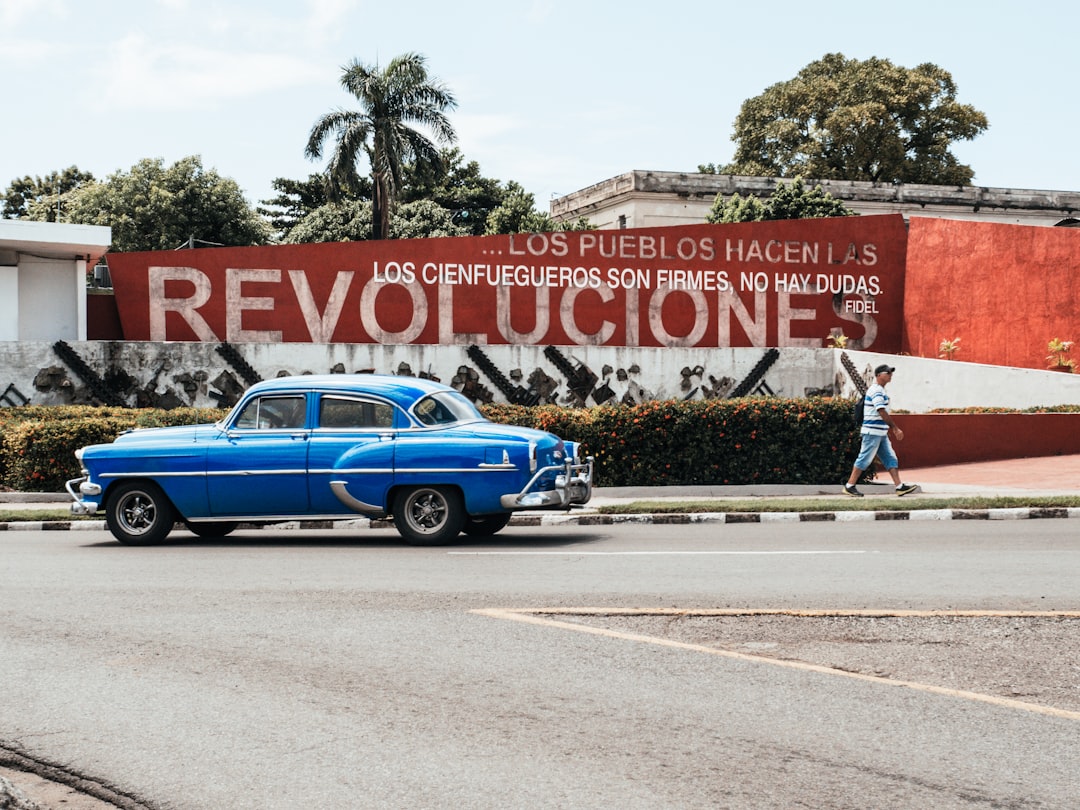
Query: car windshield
{"type": "Point", "coordinates": [444, 408]}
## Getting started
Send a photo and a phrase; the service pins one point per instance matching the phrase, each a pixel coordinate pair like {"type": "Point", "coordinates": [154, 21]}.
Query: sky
{"type": "Point", "coordinates": [553, 94]}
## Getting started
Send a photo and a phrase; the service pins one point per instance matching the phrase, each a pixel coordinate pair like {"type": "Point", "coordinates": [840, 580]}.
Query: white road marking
{"type": "Point", "coordinates": [540, 616]}
{"type": "Point", "coordinates": [635, 553]}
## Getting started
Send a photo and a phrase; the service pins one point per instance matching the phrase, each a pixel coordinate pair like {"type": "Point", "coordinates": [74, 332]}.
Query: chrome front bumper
{"type": "Point", "coordinates": [573, 487]}
{"type": "Point", "coordinates": [81, 507]}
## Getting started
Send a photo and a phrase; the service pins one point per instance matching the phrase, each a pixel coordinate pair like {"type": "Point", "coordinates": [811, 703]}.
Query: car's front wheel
{"type": "Point", "coordinates": [486, 525]}
{"type": "Point", "coordinates": [429, 516]}
{"type": "Point", "coordinates": [139, 514]}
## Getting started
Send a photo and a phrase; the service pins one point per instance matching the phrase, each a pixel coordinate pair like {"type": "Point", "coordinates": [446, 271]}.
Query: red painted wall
{"type": "Point", "coordinates": [1004, 290]}
{"type": "Point", "coordinates": [785, 283]}
{"type": "Point", "coordinates": [934, 439]}
{"type": "Point", "coordinates": [102, 318]}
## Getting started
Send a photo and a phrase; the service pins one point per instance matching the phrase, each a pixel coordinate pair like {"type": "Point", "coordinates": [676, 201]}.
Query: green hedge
{"type": "Point", "coordinates": [666, 443]}
{"type": "Point", "coordinates": [732, 441]}
{"type": "Point", "coordinates": [39, 442]}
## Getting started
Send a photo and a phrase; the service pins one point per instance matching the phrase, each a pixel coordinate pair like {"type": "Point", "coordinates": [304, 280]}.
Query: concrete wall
{"type": "Point", "coordinates": [922, 384]}
{"type": "Point", "coordinates": [51, 302]}
{"type": "Point", "coordinates": [9, 302]}
{"type": "Point", "coordinates": [198, 374]}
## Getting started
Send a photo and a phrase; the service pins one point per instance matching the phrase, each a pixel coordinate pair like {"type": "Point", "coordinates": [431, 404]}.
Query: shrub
{"type": "Point", "coordinates": [734, 441]}
{"type": "Point", "coordinates": [39, 442]}
{"type": "Point", "coordinates": [753, 440]}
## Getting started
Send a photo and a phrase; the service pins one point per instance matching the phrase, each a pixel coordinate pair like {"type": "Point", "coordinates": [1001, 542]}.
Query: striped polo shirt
{"type": "Point", "coordinates": [872, 422]}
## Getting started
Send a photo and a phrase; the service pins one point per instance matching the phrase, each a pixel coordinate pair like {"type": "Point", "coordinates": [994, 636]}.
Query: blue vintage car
{"type": "Point", "coordinates": [332, 447]}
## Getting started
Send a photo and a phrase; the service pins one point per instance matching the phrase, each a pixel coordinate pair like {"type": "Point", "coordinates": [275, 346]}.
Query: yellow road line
{"type": "Point", "coordinates": [539, 616]}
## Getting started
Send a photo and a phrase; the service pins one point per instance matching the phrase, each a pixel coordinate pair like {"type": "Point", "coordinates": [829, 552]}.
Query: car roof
{"type": "Point", "coordinates": [402, 390]}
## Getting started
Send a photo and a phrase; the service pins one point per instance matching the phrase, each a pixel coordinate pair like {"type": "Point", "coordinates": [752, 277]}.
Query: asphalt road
{"type": "Point", "coordinates": [296, 669]}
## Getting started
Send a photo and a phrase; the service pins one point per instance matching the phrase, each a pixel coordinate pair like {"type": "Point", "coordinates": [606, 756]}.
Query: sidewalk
{"type": "Point", "coordinates": [1048, 475]}
{"type": "Point", "coordinates": [1055, 475]}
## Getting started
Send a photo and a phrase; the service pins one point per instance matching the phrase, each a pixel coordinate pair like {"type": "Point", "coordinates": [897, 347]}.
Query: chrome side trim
{"type": "Point", "coordinates": [353, 471]}
{"type": "Point", "coordinates": [198, 473]}
{"type": "Point", "coordinates": [413, 470]}
{"type": "Point", "coordinates": [342, 494]}
{"type": "Point", "coordinates": [305, 518]}
{"type": "Point", "coordinates": [326, 471]}
{"type": "Point", "coordinates": [226, 473]}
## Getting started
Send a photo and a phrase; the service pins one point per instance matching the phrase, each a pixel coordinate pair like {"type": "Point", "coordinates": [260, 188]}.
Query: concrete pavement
{"type": "Point", "coordinates": [1057, 475]}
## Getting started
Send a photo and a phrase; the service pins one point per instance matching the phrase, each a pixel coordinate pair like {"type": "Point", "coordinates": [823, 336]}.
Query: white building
{"type": "Point", "coordinates": [43, 268]}
{"type": "Point", "coordinates": [643, 199]}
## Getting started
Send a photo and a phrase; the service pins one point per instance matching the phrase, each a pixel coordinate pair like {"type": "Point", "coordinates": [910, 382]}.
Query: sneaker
{"type": "Point", "coordinates": [852, 491]}
{"type": "Point", "coordinates": [904, 489]}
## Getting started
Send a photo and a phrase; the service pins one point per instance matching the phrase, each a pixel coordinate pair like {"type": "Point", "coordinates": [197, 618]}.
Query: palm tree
{"type": "Point", "coordinates": [391, 100]}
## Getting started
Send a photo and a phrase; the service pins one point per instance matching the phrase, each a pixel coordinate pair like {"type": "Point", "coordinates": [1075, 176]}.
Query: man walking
{"type": "Point", "coordinates": [875, 435]}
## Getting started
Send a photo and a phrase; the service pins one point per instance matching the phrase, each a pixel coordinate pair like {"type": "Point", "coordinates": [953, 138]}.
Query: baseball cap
{"type": "Point", "coordinates": [883, 368]}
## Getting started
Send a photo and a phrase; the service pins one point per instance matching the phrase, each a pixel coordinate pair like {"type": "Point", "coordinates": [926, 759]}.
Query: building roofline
{"type": "Point", "coordinates": [55, 240]}
{"type": "Point", "coordinates": [708, 186]}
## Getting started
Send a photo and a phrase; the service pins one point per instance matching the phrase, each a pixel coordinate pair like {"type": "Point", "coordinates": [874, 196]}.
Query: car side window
{"type": "Point", "coordinates": [273, 413]}
{"type": "Point", "coordinates": [354, 413]}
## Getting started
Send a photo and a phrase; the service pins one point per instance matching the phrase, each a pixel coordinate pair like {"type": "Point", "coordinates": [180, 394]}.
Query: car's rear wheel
{"type": "Point", "coordinates": [216, 529]}
{"type": "Point", "coordinates": [486, 525]}
{"type": "Point", "coordinates": [429, 516]}
{"type": "Point", "coordinates": [138, 513]}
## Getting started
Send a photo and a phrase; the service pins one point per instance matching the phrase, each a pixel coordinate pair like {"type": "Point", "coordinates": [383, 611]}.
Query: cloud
{"type": "Point", "coordinates": [14, 12]}
{"type": "Point", "coordinates": [138, 73]}
{"type": "Point", "coordinates": [325, 17]}
{"type": "Point", "coordinates": [16, 17]}
{"type": "Point", "coordinates": [479, 129]}
{"type": "Point", "coordinates": [540, 11]}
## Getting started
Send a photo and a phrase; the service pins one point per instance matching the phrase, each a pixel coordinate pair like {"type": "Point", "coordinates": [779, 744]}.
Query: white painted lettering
{"type": "Point", "coordinates": [569, 320]}
{"type": "Point", "coordinates": [321, 326]}
{"type": "Point", "coordinates": [186, 308]}
{"type": "Point", "coordinates": [236, 304]}
{"type": "Point", "coordinates": [369, 316]}
{"type": "Point", "coordinates": [656, 318]}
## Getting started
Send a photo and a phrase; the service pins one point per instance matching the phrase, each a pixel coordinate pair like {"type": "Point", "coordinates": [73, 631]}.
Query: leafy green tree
{"type": "Point", "coordinates": [154, 207]}
{"type": "Point", "coordinates": [295, 200]}
{"type": "Point", "coordinates": [846, 119]}
{"type": "Point", "coordinates": [460, 189]}
{"type": "Point", "coordinates": [391, 100]}
{"type": "Point", "coordinates": [736, 208]}
{"type": "Point", "coordinates": [425, 218]}
{"type": "Point", "coordinates": [517, 214]}
{"type": "Point", "coordinates": [793, 201]}
{"type": "Point", "coordinates": [348, 221]}
{"type": "Point", "coordinates": [43, 199]}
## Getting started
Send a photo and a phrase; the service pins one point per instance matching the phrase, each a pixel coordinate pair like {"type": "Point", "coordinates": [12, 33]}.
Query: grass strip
{"type": "Point", "coordinates": [42, 515]}
{"type": "Point", "coordinates": [878, 504]}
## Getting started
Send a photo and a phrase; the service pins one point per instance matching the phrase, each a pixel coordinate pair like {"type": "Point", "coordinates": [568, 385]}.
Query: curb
{"type": "Point", "coordinates": [595, 519]}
